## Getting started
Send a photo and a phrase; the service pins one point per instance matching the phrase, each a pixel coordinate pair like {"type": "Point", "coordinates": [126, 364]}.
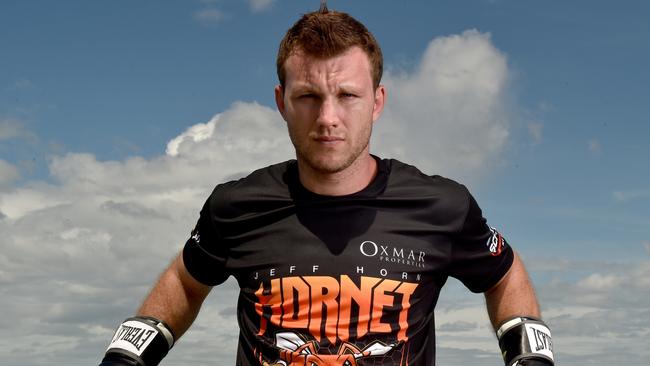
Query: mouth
{"type": "Point", "coordinates": [328, 139]}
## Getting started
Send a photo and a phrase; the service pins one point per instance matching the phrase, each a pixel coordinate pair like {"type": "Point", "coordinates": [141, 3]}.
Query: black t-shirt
{"type": "Point", "coordinates": [344, 280]}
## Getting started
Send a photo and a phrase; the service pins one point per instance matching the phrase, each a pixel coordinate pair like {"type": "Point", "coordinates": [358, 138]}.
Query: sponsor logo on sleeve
{"type": "Point", "coordinates": [195, 235]}
{"type": "Point", "coordinates": [495, 243]}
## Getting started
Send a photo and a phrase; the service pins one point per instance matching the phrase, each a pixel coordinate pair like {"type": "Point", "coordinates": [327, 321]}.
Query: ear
{"type": "Point", "coordinates": [279, 100]}
{"type": "Point", "coordinates": [380, 99]}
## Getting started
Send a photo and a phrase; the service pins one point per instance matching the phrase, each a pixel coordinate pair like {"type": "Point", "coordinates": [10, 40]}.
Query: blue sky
{"type": "Point", "coordinates": [549, 131]}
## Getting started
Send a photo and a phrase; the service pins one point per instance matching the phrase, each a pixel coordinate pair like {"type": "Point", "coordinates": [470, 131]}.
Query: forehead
{"type": "Point", "coordinates": [353, 65]}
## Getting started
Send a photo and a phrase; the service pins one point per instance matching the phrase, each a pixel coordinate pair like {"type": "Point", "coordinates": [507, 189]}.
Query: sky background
{"type": "Point", "coordinates": [117, 118]}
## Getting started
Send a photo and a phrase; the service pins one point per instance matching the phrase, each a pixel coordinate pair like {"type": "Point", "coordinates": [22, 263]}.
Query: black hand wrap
{"type": "Point", "coordinates": [139, 341]}
{"type": "Point", "coordinates": [525, 341]}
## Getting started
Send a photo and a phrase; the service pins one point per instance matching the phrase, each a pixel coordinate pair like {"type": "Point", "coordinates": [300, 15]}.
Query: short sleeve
{"type": "Point", "coordinates": [204, 254]}
{"type": "Point", "coordinates": [480, 255]}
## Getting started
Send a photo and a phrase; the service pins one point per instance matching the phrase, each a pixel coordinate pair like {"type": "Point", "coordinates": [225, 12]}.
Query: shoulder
{"type": "Point", "coordinates": [408, 179]}
{"type": "Point", "coordinates": [270, 176]}
{"type": "Point", "coordinates": [261, 187]}
{"type": "Point", "coordinates": [444, 200]}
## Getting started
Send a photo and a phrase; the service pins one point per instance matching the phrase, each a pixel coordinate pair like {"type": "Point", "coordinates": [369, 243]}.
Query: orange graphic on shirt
{"type": "Point", "coordinates": [296, 351]}
{"type": "Point", "coordinates": [314, 303]}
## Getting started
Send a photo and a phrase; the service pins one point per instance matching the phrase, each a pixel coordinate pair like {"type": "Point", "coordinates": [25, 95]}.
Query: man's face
{"type": "Point", "coordinates": [329, 106]}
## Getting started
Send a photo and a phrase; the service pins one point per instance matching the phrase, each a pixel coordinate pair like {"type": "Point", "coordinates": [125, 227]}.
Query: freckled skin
{"type": "Point", "coordinates": [330, 106]}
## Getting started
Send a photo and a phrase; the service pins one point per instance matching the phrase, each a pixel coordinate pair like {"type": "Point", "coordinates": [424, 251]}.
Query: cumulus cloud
{"type": "Point", "coordinates": [601, 315]}
{"type": "Point", "coordinates": [93, 240]}
{"type": "Point", "coordinates": [599, 282]}
{"type": "Point", "coordinates": [197, 133]}
{"type": "Point", "coordinates": [598, 312]}
{"type": "Point", "coordinates": [8, 173]}
{"type": "Point", "coordinates": [221, 139]}
{"type": "Point", "coordinates": [450, 115]}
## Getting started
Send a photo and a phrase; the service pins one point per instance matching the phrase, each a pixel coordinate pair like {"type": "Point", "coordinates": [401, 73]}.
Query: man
{"type": "Point", "coordinates": [340, 255]}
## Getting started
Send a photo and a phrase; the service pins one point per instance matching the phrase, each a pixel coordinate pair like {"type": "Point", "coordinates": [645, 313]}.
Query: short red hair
{"type": "Point", "coordinates": [325, 34]}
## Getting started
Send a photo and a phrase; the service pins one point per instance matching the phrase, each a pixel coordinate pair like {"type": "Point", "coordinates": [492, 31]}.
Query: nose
{"type": "Point", "coordinates": [327, 113]}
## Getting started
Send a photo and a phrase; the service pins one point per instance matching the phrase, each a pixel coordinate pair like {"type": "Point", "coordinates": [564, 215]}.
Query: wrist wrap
{"type": "Point", "coordinates": [139, 341]}
{"type": "Point", "coordinates": [525, 338]}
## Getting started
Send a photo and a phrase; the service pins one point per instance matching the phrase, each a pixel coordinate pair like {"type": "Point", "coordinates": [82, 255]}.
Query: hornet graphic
{"type": "Point", "coordinates": [295, 351]}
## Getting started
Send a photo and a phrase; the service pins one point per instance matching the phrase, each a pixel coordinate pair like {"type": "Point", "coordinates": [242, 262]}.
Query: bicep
{"type": "Point", "coordinates": [193, 288]}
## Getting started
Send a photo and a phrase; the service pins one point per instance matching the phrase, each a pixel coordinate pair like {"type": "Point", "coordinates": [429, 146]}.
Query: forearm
{"type": "Point", "coordinates": [524, 339]}
{"type": "Point", "coordinates": [513, 296]}
{"type": "Point", "coordinates": [176, 298]}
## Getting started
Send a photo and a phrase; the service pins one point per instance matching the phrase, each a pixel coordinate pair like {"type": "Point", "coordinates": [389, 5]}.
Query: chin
{"type": "Point", "coordinates": [327, 167]}
{"type": "Point", "coordinates": [329, 164]}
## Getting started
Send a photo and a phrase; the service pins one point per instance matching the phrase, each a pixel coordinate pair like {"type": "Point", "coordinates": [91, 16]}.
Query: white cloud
{"type": "Point", "coordinates": [599, 282]}
{"type": "Point", "coordinates": [197, 133]}
{"type": "Point", "coordinates": [597, 312]}
{"type": "Point", "coordinates": [450, 115]}
{"type": "Point", "coordinates": [78, 254]}
{"type": "Point", "coordinates": [8, 173]}
{"type": "Point", "coordinates": [187, 168]}
{"type": "Point", "coordinates": [601, 315]}
{"type": "Point", "coordinates": [260, 5]}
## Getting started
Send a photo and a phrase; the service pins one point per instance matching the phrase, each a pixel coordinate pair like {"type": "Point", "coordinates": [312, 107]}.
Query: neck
{"type": "Point", "coordinates": [351, 180]}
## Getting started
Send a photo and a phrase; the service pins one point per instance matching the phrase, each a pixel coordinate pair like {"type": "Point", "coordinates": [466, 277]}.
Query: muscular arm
{"type": "Point", "coordinates": [512, 296]}
{"type": "Point", "coordinates": [176, 298]}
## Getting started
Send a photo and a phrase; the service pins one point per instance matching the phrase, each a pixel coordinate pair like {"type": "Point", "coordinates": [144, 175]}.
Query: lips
{"type": "Point", "coordinates": [328, 138]}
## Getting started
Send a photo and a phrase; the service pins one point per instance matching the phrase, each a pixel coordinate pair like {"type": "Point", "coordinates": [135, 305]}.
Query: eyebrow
{"type": "Point", "coordinates": [301, 87]}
